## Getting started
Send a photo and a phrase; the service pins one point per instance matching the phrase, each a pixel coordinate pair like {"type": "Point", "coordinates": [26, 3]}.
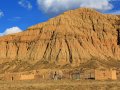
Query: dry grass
{"type": "Point", "coordinates": [60, 85]}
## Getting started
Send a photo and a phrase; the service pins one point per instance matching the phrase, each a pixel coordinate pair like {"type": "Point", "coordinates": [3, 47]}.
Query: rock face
{"type": "Point", "coordinates": [71, 38]}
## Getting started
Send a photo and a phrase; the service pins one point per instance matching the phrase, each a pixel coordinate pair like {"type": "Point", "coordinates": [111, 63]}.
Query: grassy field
{"type": "Point", "coordinates": [60, 85]}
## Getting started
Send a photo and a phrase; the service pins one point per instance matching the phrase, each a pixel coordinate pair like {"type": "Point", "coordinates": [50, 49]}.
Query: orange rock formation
{"type": "Point", "coordinates": [71, 38]}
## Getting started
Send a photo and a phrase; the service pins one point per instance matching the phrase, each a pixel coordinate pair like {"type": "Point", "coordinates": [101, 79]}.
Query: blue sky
{"type": "Point", "coordinates": [18, 15]}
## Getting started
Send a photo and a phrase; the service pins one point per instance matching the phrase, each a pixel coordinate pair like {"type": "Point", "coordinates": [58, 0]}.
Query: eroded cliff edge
{"type": "Point", "coordinates": [72, 38]}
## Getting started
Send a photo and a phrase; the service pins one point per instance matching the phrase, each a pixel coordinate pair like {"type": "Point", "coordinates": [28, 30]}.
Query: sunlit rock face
{"type": "Point", "coordinates": [72, 38]}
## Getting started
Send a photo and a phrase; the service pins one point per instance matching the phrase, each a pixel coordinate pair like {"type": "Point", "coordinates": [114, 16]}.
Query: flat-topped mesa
{"type": "Point", "coordinates": [72, 38]}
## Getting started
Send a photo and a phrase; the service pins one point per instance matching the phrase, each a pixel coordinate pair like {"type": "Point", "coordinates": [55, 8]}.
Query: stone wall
{"type": "Point", "coordinates": [11, 76]}
{"type": "Point", "coordinates": [105, 74]}
{"type": "Point", "coordinates": [27, 77]}
{"type": "Point", "coordinates": [48, 74]}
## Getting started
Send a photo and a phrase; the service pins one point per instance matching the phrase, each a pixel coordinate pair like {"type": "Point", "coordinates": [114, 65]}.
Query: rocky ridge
{"type": "Point", "coordinates": [68, 40]}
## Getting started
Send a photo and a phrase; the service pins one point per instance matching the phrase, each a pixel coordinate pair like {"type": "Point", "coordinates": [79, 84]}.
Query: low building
{"type": "Point", "coordinates": [49, 74]}
{"type": "Point", "coordinates": [94, 74]}
{"type": "Point", "coordinates": [56, 75]}
{"type": "Point", "coordinates": [18, 76]}
{"type": "Point", "coordinates": [75, 74]}
{"type": "Point", "coordinates": [11, 76]}
{"type": "Point", "coordinates": [105, 74]}
{"type": "Point", "coordinates": [89, 74]}
{"type": "Point", "coordinates": [85, 74]}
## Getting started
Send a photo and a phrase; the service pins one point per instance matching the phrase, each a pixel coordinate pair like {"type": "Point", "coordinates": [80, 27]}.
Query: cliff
{"type": "Point", "coordinates": [68, 40]}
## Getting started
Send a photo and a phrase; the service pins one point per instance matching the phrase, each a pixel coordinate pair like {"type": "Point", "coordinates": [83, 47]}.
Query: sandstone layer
{"type": "Point", "coordinates": [70, 39]}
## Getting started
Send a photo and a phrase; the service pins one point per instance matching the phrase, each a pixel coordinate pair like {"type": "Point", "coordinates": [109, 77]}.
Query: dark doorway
{"type": "Point", "coordinates": [12, 78]}
{"type": "Point", "coordinates": [55, 76]}
{"type": "Point", "coordinates": [92, 76]}
{"type": "Point", "coordinates": [118, 37]}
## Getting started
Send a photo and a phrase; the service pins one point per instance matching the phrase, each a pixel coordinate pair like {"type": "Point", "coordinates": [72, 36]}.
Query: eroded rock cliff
{"type": "Point", "coordinates": [71, 38]}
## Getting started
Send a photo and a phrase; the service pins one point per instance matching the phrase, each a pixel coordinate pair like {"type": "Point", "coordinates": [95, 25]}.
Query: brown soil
{"type": "Point", "coordinates": [60, 85]}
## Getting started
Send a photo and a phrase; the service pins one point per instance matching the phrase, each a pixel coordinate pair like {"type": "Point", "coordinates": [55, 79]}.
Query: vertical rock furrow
{"type": "Point", "coordinates": [69, 51]}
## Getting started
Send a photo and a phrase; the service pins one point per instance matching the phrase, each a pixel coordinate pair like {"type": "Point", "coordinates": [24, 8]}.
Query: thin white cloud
{"type": "Point", "coordinates": [11, 31]}
{"type": "Point", "coordinates": [17, 17]}
{"type": "Point", "coordinates": [56, 6]}
{"type": "Point", "coordinates": [25, 4]}
{"type": "Point", "coordinates": [113, 0]}
{"type": "Point", "coordinates": [1, 13]}
{"type": "Point", "coordinates": [116, 12]}
{"type": "Point", "coordinates": [14, 18]}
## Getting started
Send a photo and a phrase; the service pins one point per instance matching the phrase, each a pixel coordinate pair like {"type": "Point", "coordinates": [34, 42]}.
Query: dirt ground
{"type": "Point", "coordinates": [60, 85]}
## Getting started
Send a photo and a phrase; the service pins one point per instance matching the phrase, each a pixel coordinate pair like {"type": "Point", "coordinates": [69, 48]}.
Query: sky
{"type": "Point", "coordinates": [18, 15]}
